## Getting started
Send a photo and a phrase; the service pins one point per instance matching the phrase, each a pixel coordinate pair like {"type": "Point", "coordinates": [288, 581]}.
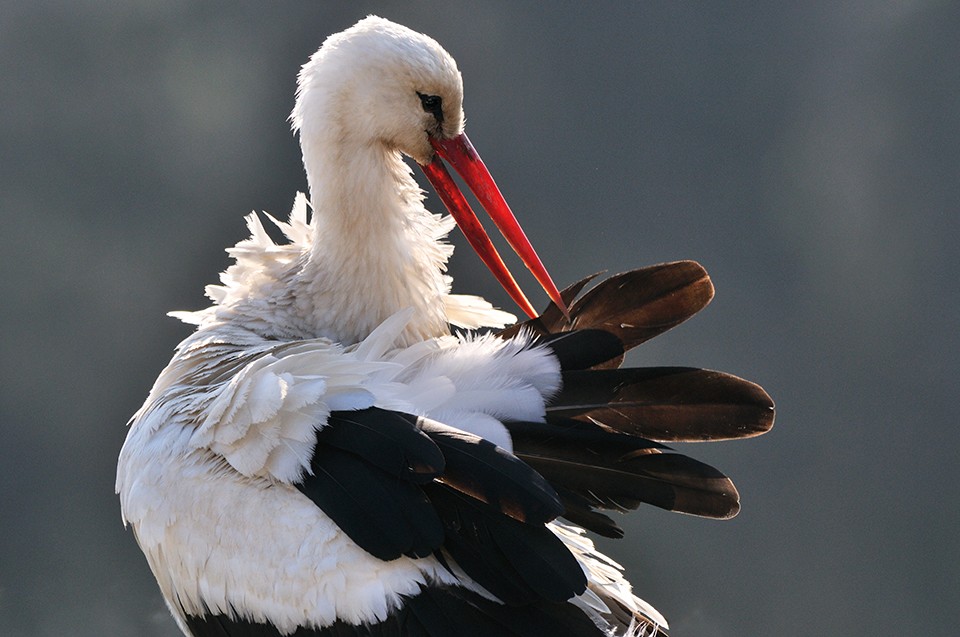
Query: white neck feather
{"type": "Point", "coordinates": [375, 250]}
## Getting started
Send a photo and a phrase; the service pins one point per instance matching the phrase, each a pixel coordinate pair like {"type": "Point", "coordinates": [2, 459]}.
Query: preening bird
{"type": "Point", "coordinates": [324, 455]}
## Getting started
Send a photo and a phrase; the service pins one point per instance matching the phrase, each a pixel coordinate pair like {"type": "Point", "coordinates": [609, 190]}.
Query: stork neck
{"type": "Point", "coordinates": [355, 198]}
{"type": "Point", "coordinates": [375, 249]}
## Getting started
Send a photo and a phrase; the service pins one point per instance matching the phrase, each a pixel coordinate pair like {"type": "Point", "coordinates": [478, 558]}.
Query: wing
{"type": "Point", "coordinates": [408, 487]}
{"type": "Point", "coordinates": [405, 486]}
{"type": "Point", "coordinates": [428, 488]}
{"type": "Point", "coordinates": [600, 445]}
{"type": "Point", "coordinates": [430, 501]}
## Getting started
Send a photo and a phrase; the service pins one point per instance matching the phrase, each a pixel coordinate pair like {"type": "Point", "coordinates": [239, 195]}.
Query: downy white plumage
{"type": "Point", "coordinates": [322, 457]}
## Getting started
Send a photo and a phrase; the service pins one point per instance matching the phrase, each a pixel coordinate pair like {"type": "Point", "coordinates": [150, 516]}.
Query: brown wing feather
{"type": "Point", "coordinates": [634, 306]}
{"type": "Point", "coordinates": [669, 404]}
{"type": "Point", "coordinates": [617, 471]}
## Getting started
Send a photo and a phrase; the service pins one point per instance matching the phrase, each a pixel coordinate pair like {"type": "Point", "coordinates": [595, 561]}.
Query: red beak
{"type": "Point", "coordinates": [459, 152]}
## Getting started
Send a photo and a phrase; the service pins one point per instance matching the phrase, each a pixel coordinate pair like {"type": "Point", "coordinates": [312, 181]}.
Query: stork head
{"type": "Point", "coordinates": [381, 84]}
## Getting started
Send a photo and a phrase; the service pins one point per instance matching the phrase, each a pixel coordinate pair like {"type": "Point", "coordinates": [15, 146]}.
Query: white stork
{"type": "Point", "coordinates": [322, 457]}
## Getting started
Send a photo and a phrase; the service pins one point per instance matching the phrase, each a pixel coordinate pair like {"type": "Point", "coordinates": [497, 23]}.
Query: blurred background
{"type": "Point", "coordinates": [807, 154]}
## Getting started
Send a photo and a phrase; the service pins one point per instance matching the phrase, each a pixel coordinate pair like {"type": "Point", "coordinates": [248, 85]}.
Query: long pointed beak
{"type": "Point", "coordinates": [460, 153]}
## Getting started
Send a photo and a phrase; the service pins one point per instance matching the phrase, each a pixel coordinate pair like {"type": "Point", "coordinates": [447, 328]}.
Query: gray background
{"type": "Point", "coordinates": [806, 153]}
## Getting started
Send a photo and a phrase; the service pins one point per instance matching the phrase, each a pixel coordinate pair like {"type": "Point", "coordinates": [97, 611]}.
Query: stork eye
{"type": "Point", "coordinates": [432, 104]}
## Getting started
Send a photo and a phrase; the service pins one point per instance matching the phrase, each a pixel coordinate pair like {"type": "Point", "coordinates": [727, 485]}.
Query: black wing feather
{"type": "Point", "coordinates": [580, 510]}
{"type": "Point", "coordinates": [386, 515]}
{"type": "Point", "coordinates": [390, 440]}
{"type": "Point", "coordinates": [583, 349]}
{"type": "Point", "coordinates": [517, 562]}
{"type": "Point", "coordinates": [478, 468]}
